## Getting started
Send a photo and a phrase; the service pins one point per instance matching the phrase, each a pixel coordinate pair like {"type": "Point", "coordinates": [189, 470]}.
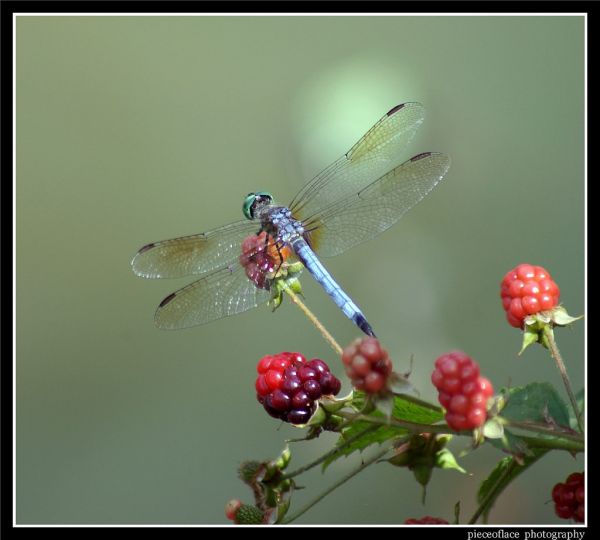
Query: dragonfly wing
{"type": "Point", "coordinates": [378, 206]}
{"type": "Point", "coordinates": [220, 294]}
{"type": "Point", "coordinates": [195, 254]}
{"type": "Point", "coordinates": [376, 153]}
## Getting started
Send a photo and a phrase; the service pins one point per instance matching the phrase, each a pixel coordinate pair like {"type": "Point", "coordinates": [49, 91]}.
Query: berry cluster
{"type": "Point", "coordinates": [569, 498]}
{"type": "Point", "coordinates": [244, 514]}
{"type": "Point", "coordinates": [367, 364]}
{"type": "Point", "coordinates": [462, 391]}
{"type": "Point", "coordinates": [526, 290]}
{"type": "Point", "coordinates": [261, 258]}
{"type": "Point", "coordinates": [426, 520]}
{"type": "Point", "coordinates": [288, 386]}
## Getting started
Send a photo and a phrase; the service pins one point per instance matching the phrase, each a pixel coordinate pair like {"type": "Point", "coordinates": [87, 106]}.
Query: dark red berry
{"type": "Point", "coordinates": [288, 386]}
{"type": "Point", "coordinates": [569, 498]}
{"type": "Point", "coordinates": [367, 365]}
{"type": "Point", "coordinates": [526, 290]}
{"type": "Point", "coordinates": [463, 392]}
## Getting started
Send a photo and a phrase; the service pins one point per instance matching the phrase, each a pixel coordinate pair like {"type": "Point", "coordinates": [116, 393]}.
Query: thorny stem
{"type": "Point", "coordinates": [313, 319]}
{"type": "Point", "coordinates": [331, 453]}
{"type": "Point", "coordinates": [549, 335]}
{"type": "Point", "coordinates": [341, 481]}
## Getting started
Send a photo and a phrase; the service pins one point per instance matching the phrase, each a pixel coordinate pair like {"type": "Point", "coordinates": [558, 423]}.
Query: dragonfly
{"type": "Point", "coordinates": [353, 200]}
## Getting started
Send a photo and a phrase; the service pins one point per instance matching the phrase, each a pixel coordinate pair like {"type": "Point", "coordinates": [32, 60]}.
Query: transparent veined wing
{"type": "Point", "coordinates": [376, 153]}
{"type": "Point", "coordinates": [192, 255]}
{"type": "Point", "coordinates": [222, 293]}
{"type": "Point", "coordinates": [363, 215]}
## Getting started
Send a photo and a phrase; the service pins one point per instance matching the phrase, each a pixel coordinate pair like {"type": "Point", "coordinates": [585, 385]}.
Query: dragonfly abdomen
{"type": "Point", "coordinates": [331, 287]}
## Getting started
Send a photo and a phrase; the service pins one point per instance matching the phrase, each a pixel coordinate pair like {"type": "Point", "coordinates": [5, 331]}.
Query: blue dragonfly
{"type": "Point", "coordinates": [353, 200]}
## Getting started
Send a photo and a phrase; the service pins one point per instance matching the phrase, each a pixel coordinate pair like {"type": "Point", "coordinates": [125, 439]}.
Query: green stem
{"type": "Point", "coordinates": [544, 430]}
{"type": "Point", "coordinates": [341, 481]}
{"type": "Point", "coordinates": [331, 453]}
{"type": "Point", "coordinates": [559, 441]}
{"type": "Point", "coordinates": [313, 319]}
{"type": "Point", "coordinates": [493, 493]}
{"type": "Point", "coordinates": [555, 353]}
{"type": "Point", "coordinates": [554, 444]}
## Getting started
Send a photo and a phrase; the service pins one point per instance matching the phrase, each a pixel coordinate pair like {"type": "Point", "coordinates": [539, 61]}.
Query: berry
{"type": "Point", "coordinates": [288, 386]}
{"type": "Point", "coordinates": [463, 392]}
{"type": "Point", "coordinates": [367, 365]}
{"type": "Point", "coordinates": [426, 520]}
{"type": "Point", "coordinates": [569, 498]}
{"type": "Point", "coordinates": [261, 258]}
{"type": "Point", "coordinates": [526, 290]}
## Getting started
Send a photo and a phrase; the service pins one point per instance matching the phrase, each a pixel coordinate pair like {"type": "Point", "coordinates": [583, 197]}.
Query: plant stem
{"type": "Point", "coordinates": [331, 453]}
{"type": "Point", "coordinates": [493, 493]}
{"type": "Point", "coordinates": [555, 353]}
{"type": "Point", "coordinates": [313, 319]}
{"type": "Point", "coordinates": [554, 444]}
{"type": "Point", "coordinates": [544, 430]}
{"type": "Point", "coordinates": [559, 441]}
{"type": "Point", "coordinates": [341, 481]}
{"type": "Point", "coordinates": [410, 426]}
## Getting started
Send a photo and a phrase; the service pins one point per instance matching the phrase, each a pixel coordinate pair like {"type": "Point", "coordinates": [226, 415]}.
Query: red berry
{"type": "Point", "coordinates": [287, 386]}
{"type": "Point", "coordinates": [462, 391]}
{"type": "Point", "coordinates": [426, 520]}
{"type": "Point", "coordinates": [367, 365]}
{"type": "Point", "coordinates": [527, 290]}
{"type": "Point", "coordinates": [564, 512]}
{"type": "Point", "coordinates": [569, 498]}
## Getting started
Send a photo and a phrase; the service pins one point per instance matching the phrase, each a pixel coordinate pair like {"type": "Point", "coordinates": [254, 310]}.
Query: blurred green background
{"type": "Point", "coordinates": [136, 129]}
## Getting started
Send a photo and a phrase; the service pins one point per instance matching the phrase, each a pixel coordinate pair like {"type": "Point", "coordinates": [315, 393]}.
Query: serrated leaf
{"type": "Point", "coordinates": [444, 459]}
{"type": "Point", "coordinates": [374, 434]}
{"type": "Point", "coordinates": [505, 471]}
{"type": "Point", "coordinates": [403, 409]}
{"type": "Point", "coordinates": [529, 403]}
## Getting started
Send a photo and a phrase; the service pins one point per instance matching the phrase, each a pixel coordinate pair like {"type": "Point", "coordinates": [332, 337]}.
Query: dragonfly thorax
{"type": "Point", "coordinates": [278, 221]}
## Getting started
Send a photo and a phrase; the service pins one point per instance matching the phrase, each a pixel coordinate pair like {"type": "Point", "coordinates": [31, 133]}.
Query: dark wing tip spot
{"type": "Point", "coordinates": [395, 109]}
{"type": "Point", "coordinates": [420, 156]}
{"type": "Point", "coordinates": [167, 300]}
{"type": "Point", "coordinates": [146, 248]}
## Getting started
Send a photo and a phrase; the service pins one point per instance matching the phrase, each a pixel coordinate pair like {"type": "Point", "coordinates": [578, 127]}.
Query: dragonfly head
{"type": "Point", "coordinates": [254, 202]}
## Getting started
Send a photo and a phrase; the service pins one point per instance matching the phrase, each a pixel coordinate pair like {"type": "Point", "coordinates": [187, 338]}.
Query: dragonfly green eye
{"type": "Point", "coordinates": [253, 200]}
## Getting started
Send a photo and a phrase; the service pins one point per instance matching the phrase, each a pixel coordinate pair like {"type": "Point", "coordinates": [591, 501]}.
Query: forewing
{"type": "Point", "coordinates": [377, 207]}
{"type": "Point", "coordinates": [220, 294]}
{"type": "Point", "coordinates": [193, 255]}
{"type": "Point", "coordinates": [376, 153]}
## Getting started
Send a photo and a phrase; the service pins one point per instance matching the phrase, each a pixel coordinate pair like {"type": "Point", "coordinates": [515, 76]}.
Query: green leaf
{"type": "Point", "coordinates": [529, 338]}
{"type": "Point", "coordinates": [445, 459]}
{"type": "Point", "coordinates": [534, 403]}
{"type": "Point", "coordinates": [403, 409]}
{"type": "Point", "coordinates": [506, 470]}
